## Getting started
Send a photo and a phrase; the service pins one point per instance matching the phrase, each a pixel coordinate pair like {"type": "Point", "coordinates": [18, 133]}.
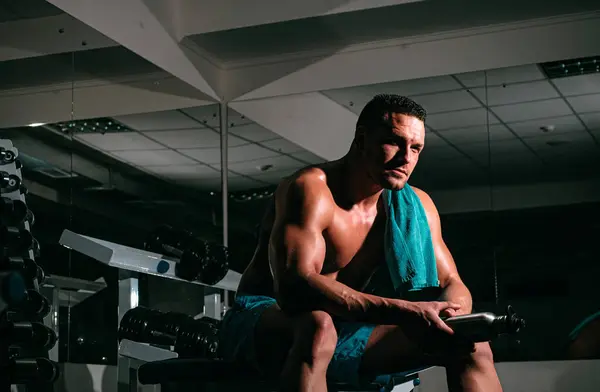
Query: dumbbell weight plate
{"type": "Point", "coordinates": [9, 182]}
{"type": "Point", "coordinates": [7, 156]}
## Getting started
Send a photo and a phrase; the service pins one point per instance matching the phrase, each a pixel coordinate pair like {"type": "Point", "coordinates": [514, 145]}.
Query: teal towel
{"type": "Point", "coordinates": [408, 246]}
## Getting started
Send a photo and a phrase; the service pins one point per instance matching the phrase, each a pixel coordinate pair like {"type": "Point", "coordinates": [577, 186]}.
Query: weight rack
{"type": "Point", "coordinates": [24, 338]}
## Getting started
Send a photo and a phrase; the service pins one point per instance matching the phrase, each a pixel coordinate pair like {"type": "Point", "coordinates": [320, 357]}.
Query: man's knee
{"type": "Point", "coordinates": [316, 331]}
{"type": "Point", "coordinates": [482, 356]}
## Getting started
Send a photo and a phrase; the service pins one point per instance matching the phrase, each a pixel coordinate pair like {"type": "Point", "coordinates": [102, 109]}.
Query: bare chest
{"type": "Point", "coordinates": [354, 248]}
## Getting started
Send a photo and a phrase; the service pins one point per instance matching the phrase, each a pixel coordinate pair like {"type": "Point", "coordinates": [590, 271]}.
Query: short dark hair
{"type": "Point", "coordinates": [376, 112]}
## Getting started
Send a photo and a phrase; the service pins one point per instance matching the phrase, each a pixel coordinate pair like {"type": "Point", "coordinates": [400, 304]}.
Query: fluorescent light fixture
{"type": "Point", "coordinates": [36, 124]}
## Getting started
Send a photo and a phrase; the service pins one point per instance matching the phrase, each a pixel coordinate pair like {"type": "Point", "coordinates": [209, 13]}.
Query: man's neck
{"type": "Point", "coordinates": [360, 189]}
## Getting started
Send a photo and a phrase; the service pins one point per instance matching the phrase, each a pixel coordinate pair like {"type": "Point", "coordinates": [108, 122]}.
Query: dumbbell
{"type": "Point", "coordinates": [15, 239]}
{"type": "Point", "coordinates": [9, 182]}
{"type": "Point", "coordinates": [26, 334]}
{"type": "Point", "coordinates": [7, 156]}
{"type": "Point", "coordinates": [12, 290]}
{"type": "Point", "coordinates": [12, 212]}
{"type": "Point", "coordinates": [33, 307]}
{"type": "Point", "coordinates": [198, 259]}
{"type": "Point", "coordinates": [31, 370]}
{"type": "Point", "coordinates": [191, 338]}
{"type": "Point", "coordinates": [26, 266]}
{"type": "Point", "coordinates": [485, 326]}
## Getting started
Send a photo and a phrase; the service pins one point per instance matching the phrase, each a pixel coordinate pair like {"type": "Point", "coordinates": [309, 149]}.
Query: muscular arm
{"type": "Point", "coordinates": [297, 254]}
{"type": "Point", "coordinates": [454, 290]}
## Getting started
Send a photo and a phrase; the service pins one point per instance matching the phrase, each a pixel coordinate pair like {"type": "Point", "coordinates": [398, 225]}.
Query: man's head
{"type": "Point", "coordinates": [390, 135]}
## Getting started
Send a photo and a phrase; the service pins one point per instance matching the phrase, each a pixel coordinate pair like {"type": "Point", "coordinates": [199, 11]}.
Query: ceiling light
{"type": "Point", "coordinates": [36, 125]}
{"type": "Point", "coordinates": [94, 125]}
{"type": "Point", "coordinates": [572, 67]}
{"type": "Point", "coordinates": [547, 128]}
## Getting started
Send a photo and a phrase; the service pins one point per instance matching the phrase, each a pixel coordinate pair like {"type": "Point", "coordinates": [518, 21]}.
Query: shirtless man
{"type": "Point", "coordinates": [301, 309]}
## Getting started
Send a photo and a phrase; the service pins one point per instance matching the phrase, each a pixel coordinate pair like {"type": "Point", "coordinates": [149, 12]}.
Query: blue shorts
{"type": "Point", "coordinates": [237, 330]}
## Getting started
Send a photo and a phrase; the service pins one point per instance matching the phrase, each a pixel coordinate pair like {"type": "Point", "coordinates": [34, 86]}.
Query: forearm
{"type": "Point", "coordinates": [456, 292]}
{"type": "Point", "coordinates": [319, 292]}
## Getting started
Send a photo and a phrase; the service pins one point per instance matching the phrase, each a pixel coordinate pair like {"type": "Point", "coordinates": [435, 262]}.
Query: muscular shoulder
{"type": "Point", "coordinates": [428, 205]}
{"type": "Point", "coordinates": [306, 195]}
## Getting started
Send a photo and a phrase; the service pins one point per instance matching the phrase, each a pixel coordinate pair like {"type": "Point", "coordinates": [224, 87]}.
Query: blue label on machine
{"type": "Point", "coordinates": [163, 267]}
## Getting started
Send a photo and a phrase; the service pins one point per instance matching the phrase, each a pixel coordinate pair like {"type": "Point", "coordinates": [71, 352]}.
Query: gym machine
{"type": "Point", "coordinates": [170, 254]}
{"type": "Point", "coordinates": [25, 340]}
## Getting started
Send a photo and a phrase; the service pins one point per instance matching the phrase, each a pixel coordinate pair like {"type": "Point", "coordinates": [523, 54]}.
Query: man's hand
{"type": "Point", "coordinates": [428, 314]}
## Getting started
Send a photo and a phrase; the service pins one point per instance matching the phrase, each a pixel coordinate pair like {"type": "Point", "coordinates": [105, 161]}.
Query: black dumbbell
{"type": "Point", "coordinates": [26, 334]}
{"type": "Point", "coordinates": [31, 370]}
{"type": "Point", "coordinates": [198, 339]}
{"type": "Point", "coordinates": [151, 326]}
{"type": "Point", "coordinates": [15, 239]}
{"type": "Point", "coordinates": [9, 182]}
{"type": "Point", "coordinates": [34, 307]}
{"type": "Point", "coordinates": [7, 156]}
{"type": "Point", "coordinates": [12, 212]}
{"type": "Point", "coordinates": [198, 259]}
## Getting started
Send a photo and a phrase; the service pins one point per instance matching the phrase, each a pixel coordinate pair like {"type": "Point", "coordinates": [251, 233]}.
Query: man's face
{"type": "Point", "coordinates": [390, 154]}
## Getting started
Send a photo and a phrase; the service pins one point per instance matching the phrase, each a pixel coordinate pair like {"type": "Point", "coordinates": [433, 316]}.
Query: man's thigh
{"type": "Point", "coordinates": [273, 338]}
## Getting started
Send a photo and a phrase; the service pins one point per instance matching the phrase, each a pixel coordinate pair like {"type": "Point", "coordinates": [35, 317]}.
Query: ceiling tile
{"type": "Point", "coordinates": [184, 172]}
{"type": "Point", "coordinates": [532, 110]}
{"type": "Point", "coordinates": [274, 177]}
{"type": "Point", "coordinates": [578, 85]}
{"type": "Point", "coordinates": [209, 115]}
{"type": "Point", "coordinates": [240, 183]}
{"type": "Point", "coordinates": [253, 132]}
{"type": "Point", "coordinates": [278, 163]}
{"type": "Point", "coordinates": [496, 77]}
{"type": "Point", "coordinates": [309, 157]}
{"type": "Point", "coordinates": [552, 144]}
{"type": "Point", "coordinates": [193, 138]}
{"type": "Point", "coordinates": [158, 121]}
{"type": "Point", "coordinates": [477, 134]}
{"type": "Point", "coordinates": [500, 150]}
{"type": "Point", "coordinates": [514, 93]}
{"type": "Point", "coordinates": [282, 145]}
{"type": "Point", "coordinates": [447, 101]}
{"type": "Point", "coordinates": [433, 140]}
{"type": "Point", "coordinates": [414, 86]}
{"type": "Point", "coordinates": [533, 128]}
{"type": "Point", "coordinates": [591, 120]}
{"type": "Point", "coordinates": [212, 183]}
{"type": "Point", "coordinates": [119, 141]}
{"type": "Point", "coordinates": [153, 158]}
{"type": "Point", "coordinates": [247, 152]}
{"type": "Point", "coordinates": [460, 119]}
{"type": "Point", "coordinates": [353, 98]}
{"type": "Point", "coordinates": [585, 103]}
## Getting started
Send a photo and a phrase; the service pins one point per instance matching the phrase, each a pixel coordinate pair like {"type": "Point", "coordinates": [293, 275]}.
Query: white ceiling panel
{"type": "Point", "coordinates": [309, 157]}
{"type": "Point", "coordinates": [555, 143]}
{"type": "Point", "coordinates": [500, 150]}
{"type": "Point", "coordinates": [477, 134]}
{"type": "Point", "coordinates": [591, 120]}
{"type": "Point", "coordinates": [440, 153]}
{"type": "Point", "coordinates": [353, 99]}
{"type": "Point", "coordinates": [447, 101]}
{"type": "Point", "coordinates": [253, 132]}
{"type": "Point", "coordinates": [158, 121]}
{"type": "Point", "coordinates": [496, 77]}
{"type": "Point", "coordinates": [240, 183]}
{"type": "Point", "coordinates": [585, 103]}
{"type": "Point", "coordinates": [532, 110]}
{"type": "Point", "coordinates": [210, 116]}
{"type": "Point", "coordinates": [578, 85]}
{"type": "Point", "coordinates": [415, 86]}
{"type": "Point", "coordinates": [193, 138]}
{"type": "Point", "coordinates": [153, 158]}
{"type": "Point", "coordinates": [119, 141]}
{"type": "Point", "coordinates": [274, 177]}
{"type": "Point", "coordinates": [460, 119]}
{"type": "Point", "coordinates": [514, 93]}
{"type": "Point", "coordinates": [212, 183]}
{"type": "Point", "coordinates": [184, 172]}
{"type": "Point", "coordinates": [279, 163]}
{"type": "Point", "coordinates": [282, 145]}
{"type": "Point", "coordinates": [247, 152]}
{"type": "Point", "coordinates": [532, 128]}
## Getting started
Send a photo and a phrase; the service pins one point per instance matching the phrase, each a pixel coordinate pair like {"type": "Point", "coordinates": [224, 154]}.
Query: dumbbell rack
{"type": "Point", "coordinates": [24, 339]}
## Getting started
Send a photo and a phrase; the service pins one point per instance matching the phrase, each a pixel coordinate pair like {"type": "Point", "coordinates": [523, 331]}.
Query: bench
{"type": "Point", "coordinates": [179, 375]}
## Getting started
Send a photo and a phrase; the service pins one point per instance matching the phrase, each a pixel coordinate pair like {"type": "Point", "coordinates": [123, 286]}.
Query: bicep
{"type": "Point", "coordinates": [297, 238]}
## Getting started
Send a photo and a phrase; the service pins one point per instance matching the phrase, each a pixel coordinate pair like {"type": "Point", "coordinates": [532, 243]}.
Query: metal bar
{"type": "Point", "coordinates": [224, 181]}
